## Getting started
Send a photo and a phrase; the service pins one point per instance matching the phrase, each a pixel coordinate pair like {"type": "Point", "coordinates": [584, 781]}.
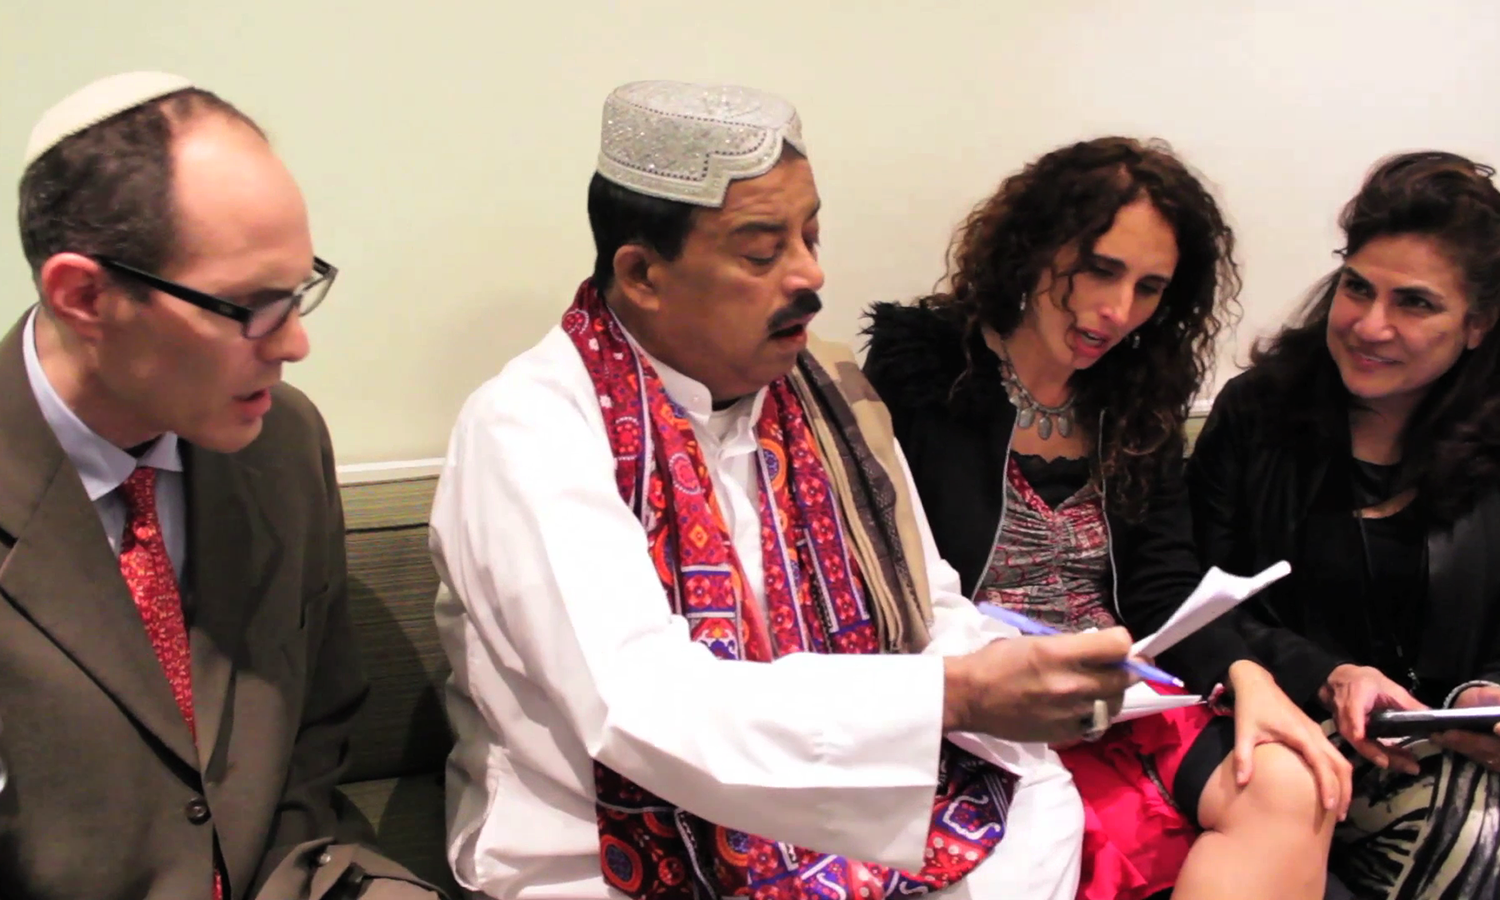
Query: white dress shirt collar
{"type": "Point", "coordinates": [102, 466]}
{"type": "Point", "coordinates": [692, 395]}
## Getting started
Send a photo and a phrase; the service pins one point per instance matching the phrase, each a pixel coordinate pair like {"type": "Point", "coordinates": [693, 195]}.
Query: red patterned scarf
{"type": "Point", "coordinates": [815, 601]}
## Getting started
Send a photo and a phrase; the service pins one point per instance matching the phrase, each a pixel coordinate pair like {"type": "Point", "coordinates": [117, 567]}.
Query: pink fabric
{"type": "Point", "coordinates": [1135, 839]}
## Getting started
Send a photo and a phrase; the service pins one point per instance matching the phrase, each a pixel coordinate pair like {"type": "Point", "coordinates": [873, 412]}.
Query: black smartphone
{"type": "Point", "coordinates": [1410, 723]}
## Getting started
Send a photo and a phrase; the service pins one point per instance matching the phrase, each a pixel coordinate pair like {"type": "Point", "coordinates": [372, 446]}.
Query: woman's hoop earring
{"type": "Point", "coordinates": [1135, 341]}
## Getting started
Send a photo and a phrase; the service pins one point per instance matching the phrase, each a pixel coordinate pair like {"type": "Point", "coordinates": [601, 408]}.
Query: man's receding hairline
{"type": "Point", "coordinates": [200, 111]}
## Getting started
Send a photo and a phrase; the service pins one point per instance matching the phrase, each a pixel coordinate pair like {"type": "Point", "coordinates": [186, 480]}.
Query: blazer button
{"type": "Point", "coordinates": [197, 811]}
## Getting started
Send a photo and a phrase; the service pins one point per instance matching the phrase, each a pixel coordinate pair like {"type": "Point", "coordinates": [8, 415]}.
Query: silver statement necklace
{"type": "Point", "coordinates": [1031, 412]}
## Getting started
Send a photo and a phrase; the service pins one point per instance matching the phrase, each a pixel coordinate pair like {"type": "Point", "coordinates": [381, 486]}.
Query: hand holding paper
{"type": "Point", "coordinates": [1216, 594]}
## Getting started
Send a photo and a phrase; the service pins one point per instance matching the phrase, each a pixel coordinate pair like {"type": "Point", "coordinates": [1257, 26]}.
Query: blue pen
{"type": "Point", "coordinates": [1026, 626]}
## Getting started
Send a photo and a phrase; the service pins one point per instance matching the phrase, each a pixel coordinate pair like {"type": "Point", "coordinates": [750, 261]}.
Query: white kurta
{"type": "Point", "coordinates": [564, 651]}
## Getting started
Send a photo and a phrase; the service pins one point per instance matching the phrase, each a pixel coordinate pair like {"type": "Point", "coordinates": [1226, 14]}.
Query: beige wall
{"type": "Point", "coordinates": [445, 146]}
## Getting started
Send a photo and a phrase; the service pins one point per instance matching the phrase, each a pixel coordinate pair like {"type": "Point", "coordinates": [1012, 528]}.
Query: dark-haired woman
{"type": "Point", "coordinates": [1363, 445]}
{"type": "Point", "coordinates": [1040, 402]}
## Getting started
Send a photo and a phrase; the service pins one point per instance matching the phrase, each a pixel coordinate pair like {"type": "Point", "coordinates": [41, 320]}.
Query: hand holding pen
{"type": "Point", "coordinates": [1051, 690]}
{"type": "Point", "coordinates": [1144, 671]}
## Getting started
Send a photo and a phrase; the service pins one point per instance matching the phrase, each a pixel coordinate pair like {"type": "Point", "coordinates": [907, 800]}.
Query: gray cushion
{"type": "Point", "coordinates": [402, 729]}
{"type": "Point", "coordinates": [402, 737]}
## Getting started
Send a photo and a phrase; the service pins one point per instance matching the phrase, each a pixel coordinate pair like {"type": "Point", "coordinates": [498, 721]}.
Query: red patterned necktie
{"type": "Point", "coordinates": [153, 583]}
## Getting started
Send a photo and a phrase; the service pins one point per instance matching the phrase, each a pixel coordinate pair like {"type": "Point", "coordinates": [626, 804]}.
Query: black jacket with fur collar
{"type": "Point", "coordinates": [955, 433]}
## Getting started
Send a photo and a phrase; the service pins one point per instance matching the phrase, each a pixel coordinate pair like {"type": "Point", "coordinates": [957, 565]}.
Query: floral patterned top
{"type": "Point", "coordinates": [1051, 564]}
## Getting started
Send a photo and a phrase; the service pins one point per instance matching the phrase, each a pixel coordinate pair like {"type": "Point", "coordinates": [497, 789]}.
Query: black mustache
{"type": "Point", "coordinates": [805, 304]}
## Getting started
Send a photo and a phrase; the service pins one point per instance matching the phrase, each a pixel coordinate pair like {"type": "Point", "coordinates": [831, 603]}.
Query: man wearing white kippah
{"type": "Point", "coordinates": [177, 686]}
{"type": "Point", "coordinates": [702, 643]}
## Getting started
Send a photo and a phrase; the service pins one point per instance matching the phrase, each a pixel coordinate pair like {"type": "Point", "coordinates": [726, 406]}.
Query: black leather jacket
{"type": "Point", "coordinates": [1252, 488]}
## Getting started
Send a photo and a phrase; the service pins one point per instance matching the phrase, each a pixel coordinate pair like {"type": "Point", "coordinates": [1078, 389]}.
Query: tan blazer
{"type": "Point", "coordinates": [108, 795]}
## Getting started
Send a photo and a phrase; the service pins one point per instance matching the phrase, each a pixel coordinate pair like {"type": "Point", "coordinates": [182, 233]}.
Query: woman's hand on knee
{"type": "Point", "coordinates": [1264, 714]}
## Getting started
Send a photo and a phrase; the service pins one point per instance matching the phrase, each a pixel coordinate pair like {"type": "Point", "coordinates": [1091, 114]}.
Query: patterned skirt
{"type": "Point", "coordinates": [1430, 836]}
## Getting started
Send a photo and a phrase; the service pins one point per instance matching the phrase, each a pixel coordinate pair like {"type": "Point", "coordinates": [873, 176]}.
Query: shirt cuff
{"type": "Point", "coordinates": [1453, 694]}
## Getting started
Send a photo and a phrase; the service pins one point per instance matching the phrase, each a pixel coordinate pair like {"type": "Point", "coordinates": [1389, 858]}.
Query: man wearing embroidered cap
{"type": "Point", "coordinates": [176, 686]}
{"type": "Point", "coordinates": [702, 644]}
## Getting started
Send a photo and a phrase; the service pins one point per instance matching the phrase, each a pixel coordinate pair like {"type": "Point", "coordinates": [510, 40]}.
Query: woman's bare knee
{"type": "Point", "coordinates": [1282, 792]}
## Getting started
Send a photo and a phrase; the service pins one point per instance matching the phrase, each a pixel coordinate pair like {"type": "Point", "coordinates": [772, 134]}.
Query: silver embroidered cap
{"type": "Point", "coordinates": [687, 142]}
{"type": "Point", "coordinates": [95, 102]}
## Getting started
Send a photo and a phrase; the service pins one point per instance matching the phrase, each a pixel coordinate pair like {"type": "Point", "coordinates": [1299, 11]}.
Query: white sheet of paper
{"type": "Point", "coordinates": [1141, 700]}
{"type": "Point", "coordinates": [1216, 594]}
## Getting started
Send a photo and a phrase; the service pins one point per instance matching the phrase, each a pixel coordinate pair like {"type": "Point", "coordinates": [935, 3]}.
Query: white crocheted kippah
{"type": "Point", "coordinates": [95, 102]}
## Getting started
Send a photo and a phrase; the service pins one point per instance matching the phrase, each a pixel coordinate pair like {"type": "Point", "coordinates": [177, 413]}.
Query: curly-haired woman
{"type": "Point", "coordinates": [1040, 401]}
{"type": "Point", "coordinates": [1363, 445]}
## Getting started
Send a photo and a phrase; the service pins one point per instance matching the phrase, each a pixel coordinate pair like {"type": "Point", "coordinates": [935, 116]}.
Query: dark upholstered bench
{"type": "Point", "coordinates": [402, 740]}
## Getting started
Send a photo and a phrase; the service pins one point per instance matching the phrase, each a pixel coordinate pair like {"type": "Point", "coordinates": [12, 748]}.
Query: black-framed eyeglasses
{"type": "Point", "coordinates": [268, 312]}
